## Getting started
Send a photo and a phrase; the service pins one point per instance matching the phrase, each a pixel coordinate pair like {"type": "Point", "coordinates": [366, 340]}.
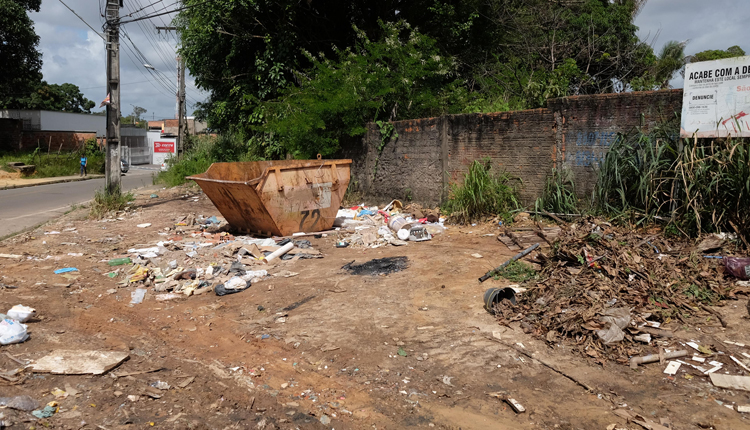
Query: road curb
{"type": "Point", "coordinates": [54, 181]}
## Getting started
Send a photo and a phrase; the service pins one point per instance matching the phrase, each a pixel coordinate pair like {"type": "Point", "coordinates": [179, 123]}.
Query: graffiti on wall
{"type": "Point", "coordinates": [590, 147]}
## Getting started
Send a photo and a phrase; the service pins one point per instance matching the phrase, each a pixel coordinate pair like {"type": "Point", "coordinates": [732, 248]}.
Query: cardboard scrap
{"type": "Point", "coordinates": [68, 362]}
{"type": "Point", "coordinates": [733, 382]}
{"type": "Point", "coordinates": [672, 367]}
{"type": "Point", "coordinates": [639, 419]}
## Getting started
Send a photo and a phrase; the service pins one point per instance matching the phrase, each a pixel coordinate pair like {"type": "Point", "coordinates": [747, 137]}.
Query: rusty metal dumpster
{"type": "Point", "coordinates": [277, 198]}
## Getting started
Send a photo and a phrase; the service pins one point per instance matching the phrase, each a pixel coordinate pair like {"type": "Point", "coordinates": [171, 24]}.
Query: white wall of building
{"type": "Point", "coordinates": [161, 147]}
{"type": "Point", "coordinates": [44, 120]}
{"type": "Point", "coordinates": [67, 121]}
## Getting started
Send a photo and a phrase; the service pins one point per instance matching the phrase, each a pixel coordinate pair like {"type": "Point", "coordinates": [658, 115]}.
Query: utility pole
{"type": "Point", "coordinates": [181, 112]}
{"type": "Point", "coordinates": [112, 158]}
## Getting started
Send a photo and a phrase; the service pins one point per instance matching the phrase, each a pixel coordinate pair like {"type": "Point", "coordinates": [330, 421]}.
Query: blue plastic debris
{"type": "Point", "coordinates": [65, 270]}
{"type": "Point", "coordinates": [265, 336]}
{"type": "Point", "coordinates": [47, 412]}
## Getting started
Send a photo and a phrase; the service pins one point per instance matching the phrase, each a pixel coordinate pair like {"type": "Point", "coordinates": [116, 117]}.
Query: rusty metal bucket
{"type": "Point", "coordinates": [277, 198]}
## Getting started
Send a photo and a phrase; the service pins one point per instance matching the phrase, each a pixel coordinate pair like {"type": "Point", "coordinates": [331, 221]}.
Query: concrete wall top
{"type": "Point", "coordinates": [68, 121]}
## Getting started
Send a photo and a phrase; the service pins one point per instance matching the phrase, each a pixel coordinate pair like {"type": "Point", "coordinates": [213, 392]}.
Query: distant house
{"type": "Point", "coordinates": [170, 127]}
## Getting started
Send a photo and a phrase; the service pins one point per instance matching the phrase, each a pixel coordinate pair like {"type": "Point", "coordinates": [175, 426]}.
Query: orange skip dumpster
{"type": "Point", "coordinates": [277, 198]}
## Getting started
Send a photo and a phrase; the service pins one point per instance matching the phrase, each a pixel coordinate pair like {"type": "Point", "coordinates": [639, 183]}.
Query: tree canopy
{"type": "Point", "coordinates": [20, 61]}
{"type": "Point", "coordinates": [717, 54]}
{"type": "Point", "coordinates": [299, 77]}
{"type": "Point", "coordinates": [21, 84]}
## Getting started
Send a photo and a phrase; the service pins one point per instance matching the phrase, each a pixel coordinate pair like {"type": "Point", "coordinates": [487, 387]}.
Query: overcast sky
{"type": "Point", "coordinates": [74, 53]}
{"type": "Point", "coordinates": [714, 24]}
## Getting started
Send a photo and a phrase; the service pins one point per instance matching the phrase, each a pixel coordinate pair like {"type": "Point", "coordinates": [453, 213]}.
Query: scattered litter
{"type": "Point", "coordinates": [672, 367]}
{"type": "Point", "coordinates": [12, 331]}
{"type": "Point", "coordinates": [21, 313]}
{"type": "Point", "coordinates": [476, 255]}
{"type": "Point", "coordinates": [65, 270]}
{"type": "Point", "coordinates": [20, 403]}
{"type": "Point", "coordinates": [70, 362]}
{"type": "Point", "coordinates": [161, 385]}
{"type": "Point", "coordinates": [136, 297]}
{"type": "Point", "coordinates": [635, 361]}
{"type": "Point", "coordinates": [732, 382]}
{"type": "Point", "coordinates": [144, 225]}
{"type": "Point", "coordinates": [47, 412]}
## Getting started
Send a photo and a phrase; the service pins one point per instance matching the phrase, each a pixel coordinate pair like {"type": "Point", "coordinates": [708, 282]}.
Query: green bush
{"type": "Point", "coordinates": [104, 203]}
{"type": "Point", "coordinates": [695, 185]}
{"type": "Point", "coordinates": [559, 194]}
{"type": "Point", "coordinates": [200, 153]}
{"type": "Point", "coordinates": [482, 193]}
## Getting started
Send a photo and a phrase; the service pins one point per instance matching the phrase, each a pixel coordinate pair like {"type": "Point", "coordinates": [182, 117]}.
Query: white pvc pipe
{"type": "Point", "coordinates": [281, 251]}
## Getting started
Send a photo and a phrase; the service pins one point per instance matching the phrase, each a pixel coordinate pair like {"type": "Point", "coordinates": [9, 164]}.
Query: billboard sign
{"type": "Point", "coordinates": [716, 98]}
{"type": "Point", "coordinates": [164, 147]}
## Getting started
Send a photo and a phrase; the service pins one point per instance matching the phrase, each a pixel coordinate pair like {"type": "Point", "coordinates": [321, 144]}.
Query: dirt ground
{"type": "Point", "coordinates": [333, 361]}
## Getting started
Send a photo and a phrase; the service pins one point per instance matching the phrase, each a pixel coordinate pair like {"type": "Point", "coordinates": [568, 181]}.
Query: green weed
{"type": "Point", "coordinates": [200, 153]}
{"type": "Point", "coordinates": [559, 194]}
{"type": "Point", "coordinates": [105, 203]}
{"type": "Point", "coordinates": [483, 193]}
{"type": "Point", "coordinates": [702, 294]}
{"type": "Point", "coordinates": [516, 271]}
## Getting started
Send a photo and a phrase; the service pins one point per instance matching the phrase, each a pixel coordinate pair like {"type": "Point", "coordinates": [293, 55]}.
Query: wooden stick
{"type": "Point", "coordinates": [547, 365]}
{"type": "Point", "coordinates": [521, 254]}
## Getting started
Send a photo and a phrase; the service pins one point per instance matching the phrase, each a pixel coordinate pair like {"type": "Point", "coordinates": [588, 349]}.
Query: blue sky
{"type": "Point", "coordinates": [74, 53]}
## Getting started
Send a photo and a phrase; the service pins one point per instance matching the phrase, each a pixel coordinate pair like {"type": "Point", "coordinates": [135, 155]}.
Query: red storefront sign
{"type": "Point", "coordinates": [163, 146]}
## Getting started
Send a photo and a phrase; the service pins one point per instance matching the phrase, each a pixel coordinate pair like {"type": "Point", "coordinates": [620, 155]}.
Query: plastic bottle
{"type": "Point", "coordinates": [119, 261]}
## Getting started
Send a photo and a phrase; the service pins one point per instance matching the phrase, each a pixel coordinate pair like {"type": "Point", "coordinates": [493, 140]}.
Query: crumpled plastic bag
{"type": "Point", "coordinates": [738, 267]}
{"type": "Point", "coordinates": [21, 313]}
{"type": "Point", "coordinates": [618, 319]}
{"type": "Point", "coordinates": [12, 331]}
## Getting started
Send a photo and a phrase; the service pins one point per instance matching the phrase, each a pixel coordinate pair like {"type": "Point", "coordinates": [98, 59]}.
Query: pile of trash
{"type": "Point", "coordinates": [374, 227]}
{"type": "Point", "coordinates": [195, 260]}
{"type": "Point", "coordinates": [610, 290]}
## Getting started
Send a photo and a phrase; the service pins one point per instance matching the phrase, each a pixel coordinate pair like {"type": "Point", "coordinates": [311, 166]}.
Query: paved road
{"type": "Point", "coordinates": [22, 208]}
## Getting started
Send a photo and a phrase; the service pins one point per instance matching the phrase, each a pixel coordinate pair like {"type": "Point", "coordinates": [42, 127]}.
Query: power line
{"type": "Point", "coordinates": [84, 21]}
{"type": "Point", "coordinates": [165, 13]}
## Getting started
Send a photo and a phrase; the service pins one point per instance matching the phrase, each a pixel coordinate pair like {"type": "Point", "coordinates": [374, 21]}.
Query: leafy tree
{"type": "Point", "coordinates": [402, 75]}
{"type": "Point", "coordinates": [262, 61]}
{"type": "Point", "coordinates": [65, 97]}
{"type": "Point", "coordinates": [20, 61]}
{"type": "Point", "coordinates": [717, 54]}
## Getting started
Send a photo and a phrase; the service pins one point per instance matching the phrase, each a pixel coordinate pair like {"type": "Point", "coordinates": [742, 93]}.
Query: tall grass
{"type": "Point", "coordinates": [696, 185]}
{"type": "Point", "coordinates": [484, 192]}
{"type": "Point", "coordinates": [559, 194]}
{"type": "Point", "coordinates": [105, 203]}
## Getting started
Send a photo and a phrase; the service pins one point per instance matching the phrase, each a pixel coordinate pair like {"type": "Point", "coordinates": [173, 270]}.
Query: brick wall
{"type": "Point", "coordinates": [54, 140]}
{"type": "Point", "coordinates": [430, 153]}
{"type": "Point", "coordinates": [589, 126]}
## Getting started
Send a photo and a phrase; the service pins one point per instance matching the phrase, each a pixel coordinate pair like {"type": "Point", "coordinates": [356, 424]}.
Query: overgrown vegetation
{"type": "Point", "coordinates": [200, 153]}
{"type": "Point", "coordinates": [288, 82]}
{"type": "Point", "coordinates": [695, 185]}
{"type": "Point", "coordinates": [53, 164]}
{"type": "Point", "coordinates": [559, 194]}
{"type": "Point", "coordinates": [484, 192]}
{"type": "Point", "coordinates": [105, 203]}
{"type": "Point", "coordinates": [517, 271]}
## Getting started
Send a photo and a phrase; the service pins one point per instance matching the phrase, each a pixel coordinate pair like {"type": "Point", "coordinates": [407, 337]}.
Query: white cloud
{"type": "Point", "coordinates": [73, 53]}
